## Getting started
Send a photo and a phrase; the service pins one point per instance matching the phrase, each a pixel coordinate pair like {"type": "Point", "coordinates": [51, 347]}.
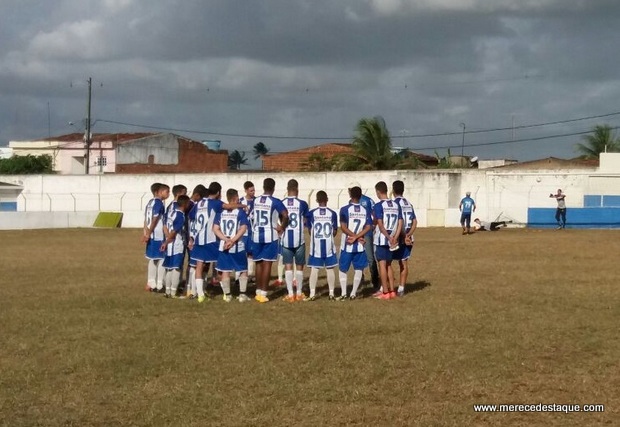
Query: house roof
{"type": "Point", "coordinates": [554, 163]}
{"type": "Point", "coordinates": [312, 149]}
{"type": "Point", "coordinates": [100, 137]}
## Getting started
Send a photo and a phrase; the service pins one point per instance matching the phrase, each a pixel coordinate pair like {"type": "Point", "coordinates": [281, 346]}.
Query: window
{"type": "Point", "coordinates": [101, 161]}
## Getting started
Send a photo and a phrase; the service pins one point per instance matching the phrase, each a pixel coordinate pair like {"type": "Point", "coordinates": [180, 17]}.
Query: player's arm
{"type": "Point", "coordinates": [283, 215]}
{"type": "Point", "coordinates": [474, 207]}
{"type": "Point", "coordinates": [171, 235]}
{"type": "Point", "coordinates": [399, 227]}
{"type": "Point", "coordinates": [335, 224]}
{"type": "Point", "coordinates": [461, 206]}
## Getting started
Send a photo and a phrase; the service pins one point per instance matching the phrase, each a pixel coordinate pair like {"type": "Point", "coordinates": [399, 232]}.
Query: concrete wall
{"type": "Point", "coordinates": [164, 148]}
{"type": "Point", "coordinates": [39, 220]}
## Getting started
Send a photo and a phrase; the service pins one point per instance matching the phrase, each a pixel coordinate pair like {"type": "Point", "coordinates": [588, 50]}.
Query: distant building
{"type": "Point", "coordinates": [6, 153]}
{"type": "Point", "coordinates": [487, 164]}
{"type": "Point", "coordinates": [126, 153]}
{"type": "Point", "coordinates": [296, 160]}
{"type": "Point", "coordinates": [553, 163]}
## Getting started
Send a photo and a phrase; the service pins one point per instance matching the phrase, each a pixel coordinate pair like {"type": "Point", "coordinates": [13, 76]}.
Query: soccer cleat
{"type": "Point", "coordinates": [300, 297]}
{"type": "Point", "coordinates": [377, 294]}
{"type": "Point", "coordinates": [201, 299]}
{"type": "Point", "coordinates": [383, 296]}
{"type": "Point", "coordinates": [261, 299]}
{"type": "Point", "coordinates": [342, 298]}
{"type": "Point", "coordinates": [289, 298]}
{"type": "Point", "coordinates": [243, 298]}
{"type": "Point", "coordinates": [278, 283]}
{"type": "Point", "coordinates": [400, 293]}
{"type": "Point", "coordinates": [312, 298]}
{"type": "Point", "coordinates": [227, 298]}
{"type": "Point", "coordinates": [392, 295]}
{"type": "Point", "coordinates": [191, 296]}
{"type": "Point", "coordinates": [176, 297]}
{"type": "Point", "coordinates": [332, 298]}
{"type": "Point", "coordinates": [352, 297]}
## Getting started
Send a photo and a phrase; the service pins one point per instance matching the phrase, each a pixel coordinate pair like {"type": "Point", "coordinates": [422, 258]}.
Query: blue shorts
{"type": "Point", "coordinates": [296, 255]}
{"type": "Point", "coordinates": [153, 249]}
{"type": "Point", "coordinates": [206, 253]}
{"type": "Point", "coordinates": [403, 253]}
{"type": "Point", "coordinates": [236, 261]}
{"type": "Point", "coordinates": [247, 241]}
{"type": "Point", "coordinates": [174, 262]}
{"type": "Point", "coordinates": [265, 251]}
{"type": "Point", "coordinates": [466, 219]}
{"type": "Point", "coordinates": [358, 259]}
{"type": "Point", "coordinates": [328, 262]}
{"type": "Point", "coordinates": [383, 253]}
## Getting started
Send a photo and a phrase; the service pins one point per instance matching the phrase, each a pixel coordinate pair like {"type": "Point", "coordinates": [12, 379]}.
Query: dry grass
{"type": "Point", "coordinates": [510, 317]}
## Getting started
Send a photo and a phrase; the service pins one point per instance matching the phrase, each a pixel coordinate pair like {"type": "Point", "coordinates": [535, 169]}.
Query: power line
{"type": "Point", "coordinates": [428, 135]}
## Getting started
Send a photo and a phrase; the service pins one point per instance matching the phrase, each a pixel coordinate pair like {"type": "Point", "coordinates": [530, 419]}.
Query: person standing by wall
{"type": "Point", "coordinates": [467, 206]}
{"type": "Point", "coordinates": [560, 212]}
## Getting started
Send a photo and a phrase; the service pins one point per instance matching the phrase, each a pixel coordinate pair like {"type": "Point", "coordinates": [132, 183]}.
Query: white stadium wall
{"type": "Point", "coordinates": [434, 194]}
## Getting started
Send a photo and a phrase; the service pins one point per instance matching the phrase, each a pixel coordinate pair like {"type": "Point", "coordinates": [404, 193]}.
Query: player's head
{"type": "Point", "coordinates": [250, 191]}
{"type": "Point", "coordinates": [468, 194]}
{"type": "Point", "coordinates": [200, 192]}
{"type": "Point", "coordinates": [477, 220]}
{"type": "Point", "coordinates": [155, 188]}
{"type": "Point", "coordinates": [163, 192]}
{"type": "Point", "coordinates": [215, 190]}
{"type": "Point", "coordinates": [232, 196]}
{"type": "Point", "coordinates": [559, 191]}
{"type": "Point", "coordinates": [398, 188]}
{"type": "Point", "coordinates": [292, 187]}
{"type": "Point", "coordinates": [381, 189]}
{"type": "Point", "coordinates": [183, 202]}
{"type": "Point", "coordinates": [269, 186]}
{"type": "Point", "coordinates": [355, 193]}
{"type": "Point", "coordinates": [321, 198]}
{"type": "Point", "coordinates": [179, 190]}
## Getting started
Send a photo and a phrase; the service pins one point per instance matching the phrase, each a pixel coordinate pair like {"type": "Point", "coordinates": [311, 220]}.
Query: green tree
{"type": "Point", "coordinates": [260, 149]}
{"type": "Point", "coordinates": [318, 163]}
{"type": "Point", "coordinates": [236, 159]}
{"type": "Point", "coordinates": [372, 147]}
{"type": "Point", "coordinates": [601, 139]}
{"type": "Point", "coordinates": [27, 165]}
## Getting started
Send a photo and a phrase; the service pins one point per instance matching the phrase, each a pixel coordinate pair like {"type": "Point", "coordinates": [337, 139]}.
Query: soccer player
{"type": "Point", "coordinates": [405, 243]}
{"type": "Point", "coordinates": [388, 220]}
{"type": "Point", "coordinates": [355, 221]}
{"type": "Point", "coordinates": [248, 200]}
{"type": "Point", "coordinates": [153, 236]}
{"type": "Point", "coordinates": [560, 212]}
{"type": "Point", "coordinates": [294, 242]}
{"type": "Point", "coordinates": [369, 204]}
{"type": "Point", "coordinates": [200, 192]}
{"type": "Point", "coordinates": [467, 206]}
{"type": "Point", "coordinates": [323, 225]}
{"type": "Point", "coordinates": [203, 242]}
{"type": "Point", "coordinates": [174, 245]}
{"type": "Point", "coordinates": [177, 190]}
{"type": "Point", "coordinates": [265, 234]}
{"type": "Point", "coordinates": [230, 227]}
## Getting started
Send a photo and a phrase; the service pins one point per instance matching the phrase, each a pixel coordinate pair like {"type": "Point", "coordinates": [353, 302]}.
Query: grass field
{"type": "Point", "coordinates": [515, 316]}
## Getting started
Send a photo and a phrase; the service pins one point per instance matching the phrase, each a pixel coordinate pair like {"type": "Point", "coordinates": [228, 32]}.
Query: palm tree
{"type": "Point", "coordinates": [602, 139]}
{"type": "Point", "coordinates": [236, 159]}
{"type": "Point", "coordinates": [372, 147]}
{"type": "Point", "coordinates": [260, 149]}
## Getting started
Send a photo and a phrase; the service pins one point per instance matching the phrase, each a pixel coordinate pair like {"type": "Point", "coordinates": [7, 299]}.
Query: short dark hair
{"type": "Point", "coordinates": [178, 189]}
{"type": "Point", "coordinates": [321, 197]}
{"type": "Point", "coordinates": [155, 187]}
{"type": "Point", "coordinates": [163, 187]}
{"type": "Point", "coordinates": [355, 193]}
{"type": "Point", "coordinates": [201, 190]}
{"type": "Point", "coordinates": [215, 188]}
{"type": "Point", "coordinates": [292, 185]}
{"type": "Point", "coordinates": [398, 187]}
{"type": "Point", "coordinates": [247, 185]}
{"type": "Point", "coordinates": [269, 185]}
{"type": "Point", "coordinates": [381, 186]}
{"type": "Point", "coordinates": [182, 201]}
{"type": "Point", "coordinates": [230, 193]}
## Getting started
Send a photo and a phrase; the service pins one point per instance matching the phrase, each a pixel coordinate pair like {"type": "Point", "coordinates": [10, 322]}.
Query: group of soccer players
{"type": "Point", "coordinates": [240, 238]}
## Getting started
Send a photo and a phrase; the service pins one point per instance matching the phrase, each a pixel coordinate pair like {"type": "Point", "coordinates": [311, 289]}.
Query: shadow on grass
{"type": "Point", "coordinates": [409, 288]}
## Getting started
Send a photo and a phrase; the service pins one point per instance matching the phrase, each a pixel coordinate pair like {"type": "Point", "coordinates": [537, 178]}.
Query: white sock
{"type": "Point", "coordinates": [342, 278]}
{"type": "Point", "coordinates": [161, 273]}
{"type": "Point", "coordinates": [299, 275]}
{"type": "Point", "coordinates": [251, 265]}
{"type": "Point", "coordinates": [151, 275]}
{"type": "Point", "coordinates": [175, 278]}
{"type": "Point", "coordinates": [331, 280]}
{"type": "Point", "coordinates": [168, 282]}
{"type": "Point", "coordinates": [401, 288]}
{"type": "Point", "coordinates": [314, 277]}
{"type": "Point", "coordinates": [243, 284]}
{"type": "Point", "coordinates": [225, 284]}
{"type": "Point", "coordinates": [288, 277]}
{"type": "Point", "coordinates": [192, 281]}
{"type": "Point", "coordinates": [237, 275]}
{"type": "Point", "coordinates": [200, 287]}
{"type": "Point", "coordinates": [280, 269]}
{"type": "Point", "coordinates": [357, 279]}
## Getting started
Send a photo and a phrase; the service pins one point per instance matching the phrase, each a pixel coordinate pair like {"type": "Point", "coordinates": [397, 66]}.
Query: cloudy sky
{"type": "Point", "coordinates": [312, 68]}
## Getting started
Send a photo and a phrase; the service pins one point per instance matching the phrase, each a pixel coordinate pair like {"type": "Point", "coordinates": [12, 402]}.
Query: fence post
{"type": "Point", "coordinates": [74, 203]}
{"type": "Point", "coordinates": [25, 202]}
{"type": "Point", "coordinates": [122, 197]}
{"type": "Point", "coordinates": [50, 201]}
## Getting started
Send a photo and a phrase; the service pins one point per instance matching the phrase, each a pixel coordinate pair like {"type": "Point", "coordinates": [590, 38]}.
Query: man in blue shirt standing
{"type": "Point", "coordinates": [369, 204]}
{"type": "Point", "coordinates": [467, 206]}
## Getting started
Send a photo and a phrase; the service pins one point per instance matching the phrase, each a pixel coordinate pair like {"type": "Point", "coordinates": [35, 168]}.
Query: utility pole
{"type": "Point", "coordinates": [49, 124]}
{"type": "Point", "coordinates": [87, 135]}
{"type": "Point", "coordinates": [463, 141]}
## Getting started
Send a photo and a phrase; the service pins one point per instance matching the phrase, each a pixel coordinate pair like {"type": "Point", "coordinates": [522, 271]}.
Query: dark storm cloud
{"type": "Point", "coordinates": [302, 67]}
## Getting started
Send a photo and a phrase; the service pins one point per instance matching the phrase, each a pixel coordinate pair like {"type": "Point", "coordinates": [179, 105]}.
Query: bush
{"type": "Point", "coordinates": [27, 165]}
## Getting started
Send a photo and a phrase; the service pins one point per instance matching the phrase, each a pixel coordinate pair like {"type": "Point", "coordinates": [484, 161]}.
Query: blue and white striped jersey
{"type": "Point", "coordinates": [369, 204]}
{"type": "Point", "coordinates": [265, 216]}
{"type": "Point", "coordinates": [355, 217]}
{"type": "Point", "coordinates": [250, 204]}
{"type": "Point", "coordinates": [155, 209]}
{"type": "Point", "coordinates": [205, 211]}
{"type": "Point", "coordinates": [408, 213]}
{"type": "Point", "coordinates": [322, 222]}
{"type": "Point", "coordinates": [230, 222]}
{"type": "Point", "coordinates": [293, 236]}
{"type": "Point", "coordinates": [175, 222]}
{"type": "Point", "coordinates": [172, 206]}
{"type": "Point", "coordinates": [389, 212]}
